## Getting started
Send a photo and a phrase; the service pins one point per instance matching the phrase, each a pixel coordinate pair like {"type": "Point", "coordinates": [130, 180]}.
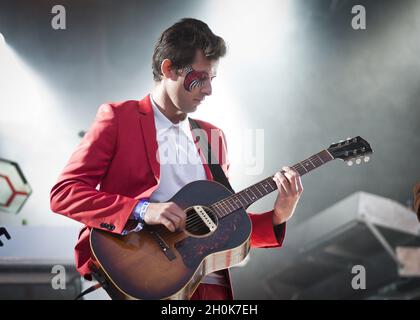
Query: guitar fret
{"type": "Point", "coordinates": [222, 209]}
{"type": "Point", "coordinates": [250, 189]}
{"type": "Point", "coordinates": [225, 208]}
{"type": "Point", "coordinates": [246, 201]}
{"type": "Point", "coordinates": [311, 162]}
{"type": "Point", "coordinates": [303, 167]}
{"type": "Point", "coordinates": [315, 163]}
{"type": "Point", "coordinates": [226, 205]}
{"type": "Point", "coordinates": [264, 187]}
{"type": "Point", "coordinates": [298, 168]}
{"type": "Point", "coordinates": [272, 184]}
{"type": "Point", "coordinates": [235, 201]}
{"type": "Point", "coordinates": [246, 193]}
{"type": "Point", "coordinates": [320, 159]}
{"type": "Point", "coordinates": [256, 187]}
{"type": "Point", "coordinates": [308, 163]}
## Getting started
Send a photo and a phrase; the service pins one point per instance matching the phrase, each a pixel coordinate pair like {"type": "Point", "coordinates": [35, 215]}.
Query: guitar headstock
{"type": "Point", "coordinates": [352, 151]}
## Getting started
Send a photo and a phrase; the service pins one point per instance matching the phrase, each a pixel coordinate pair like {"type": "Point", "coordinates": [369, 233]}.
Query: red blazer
{"type": "Point", "coordinates": [118, 153]}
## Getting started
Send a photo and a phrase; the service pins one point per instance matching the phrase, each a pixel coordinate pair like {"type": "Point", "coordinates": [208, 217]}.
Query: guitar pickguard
{"type": "Point", "coordinates": [227, 236]}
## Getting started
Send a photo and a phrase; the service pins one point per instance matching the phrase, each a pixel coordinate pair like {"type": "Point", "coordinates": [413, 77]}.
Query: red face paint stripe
{"type": "Point", "coordinates": [192, 78]}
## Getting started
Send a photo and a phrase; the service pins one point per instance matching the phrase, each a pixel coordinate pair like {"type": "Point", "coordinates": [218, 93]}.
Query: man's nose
{"type": "Point", "coordinates": [206, 88]}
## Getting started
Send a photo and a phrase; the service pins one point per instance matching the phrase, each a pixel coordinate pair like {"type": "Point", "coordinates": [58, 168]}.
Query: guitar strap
{"type": "Point", "coordinates": [102, 283]}
{"type": "Point", "coordinates": [89, 290]}
{"type": "Point", "coordinates": [215, 168]}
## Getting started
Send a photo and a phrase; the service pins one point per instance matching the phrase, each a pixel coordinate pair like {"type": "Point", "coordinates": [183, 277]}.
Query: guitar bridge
{"type": "Point", "coordinates": [167, 251]}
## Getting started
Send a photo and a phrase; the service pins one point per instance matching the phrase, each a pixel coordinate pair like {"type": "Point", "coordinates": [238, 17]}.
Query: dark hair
{"type": "Point", "coordinates": [179, 43]}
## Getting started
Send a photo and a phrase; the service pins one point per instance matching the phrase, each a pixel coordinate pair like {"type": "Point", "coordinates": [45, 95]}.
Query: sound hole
{"type": "Point", "coordinates": [201, 221]}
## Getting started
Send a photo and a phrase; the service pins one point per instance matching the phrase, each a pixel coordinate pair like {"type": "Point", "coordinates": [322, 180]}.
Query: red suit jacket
{"type": "Point", "coordinates": [118, 153]}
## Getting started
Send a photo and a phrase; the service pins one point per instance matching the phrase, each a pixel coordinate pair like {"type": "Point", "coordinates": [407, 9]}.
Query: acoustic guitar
{"type": "Point", "coordinates": [158, 264]}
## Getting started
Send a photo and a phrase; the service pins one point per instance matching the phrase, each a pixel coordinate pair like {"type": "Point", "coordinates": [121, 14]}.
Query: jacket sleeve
{"type": "Point", "coordinates": [75, 194]}
{"type": "Point", "coordinates": [264, 234]}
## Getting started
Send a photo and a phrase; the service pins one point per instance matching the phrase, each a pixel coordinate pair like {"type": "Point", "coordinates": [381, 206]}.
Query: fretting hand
{"type": "Point", "coordinates": [290, 189]}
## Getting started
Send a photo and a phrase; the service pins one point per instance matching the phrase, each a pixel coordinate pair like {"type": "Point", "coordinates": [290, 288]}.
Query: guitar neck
{"type": "Point", "coordinates": [246, 197]}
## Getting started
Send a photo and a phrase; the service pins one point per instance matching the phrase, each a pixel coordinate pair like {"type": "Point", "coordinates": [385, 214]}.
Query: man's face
{"type": "Point", "coordinates": [193, 83]}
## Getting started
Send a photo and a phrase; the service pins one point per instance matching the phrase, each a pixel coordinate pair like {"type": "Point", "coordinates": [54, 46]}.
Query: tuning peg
{"type": "Point", "coordinates": [358, 161]}
{"type": "Point", "coordinates": [366, 159]}
{"type": "Point", "coordinates": [349, 163]}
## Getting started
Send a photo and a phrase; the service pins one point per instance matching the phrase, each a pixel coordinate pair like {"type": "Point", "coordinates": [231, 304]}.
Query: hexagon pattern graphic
{"type": "Point", "coordinates": [14, 188]}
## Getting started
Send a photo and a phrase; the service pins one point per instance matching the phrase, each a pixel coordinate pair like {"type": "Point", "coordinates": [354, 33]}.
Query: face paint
{"type": "Point", "coordinates": [193, 78]}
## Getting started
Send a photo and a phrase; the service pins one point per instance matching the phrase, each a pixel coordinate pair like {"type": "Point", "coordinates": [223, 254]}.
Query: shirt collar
{"type": "Point", "coordinates": [163, 123]}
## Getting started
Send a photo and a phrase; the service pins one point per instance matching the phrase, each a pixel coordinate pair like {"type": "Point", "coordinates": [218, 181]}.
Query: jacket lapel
{"type": "Point", "coordinates": [149, 133]}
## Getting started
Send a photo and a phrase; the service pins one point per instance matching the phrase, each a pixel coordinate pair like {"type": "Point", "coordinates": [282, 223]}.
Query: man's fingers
{"type": "Point", "coordinates": [279, 185]}
{"type": "Point", "coordinates": [167, 214]}
{"type": "Point", "coordinates": [173, 217]}
{"type": "Point", "coordinates": [293, 177]}
{"type": "Point", "coordinates": [179, 213]}
{"type": "Point", "coordinates": [177, 221]}
{"type": "Point", "coordinates": [290, 181]}
{"type": "Point", "coordinates": [299, 185]}
{"type": "Point", "coordinates": [168, 224]}
{"type": "Point", "coordinates": [282, 181]}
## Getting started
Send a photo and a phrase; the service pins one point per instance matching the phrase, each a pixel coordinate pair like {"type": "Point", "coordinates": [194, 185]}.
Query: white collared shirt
{"type": "Point", "coordinates": [179, 160]}
{"type": "Point", "coordinates": [180, 164]}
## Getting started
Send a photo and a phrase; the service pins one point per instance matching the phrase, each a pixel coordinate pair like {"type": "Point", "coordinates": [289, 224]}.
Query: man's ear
{"type": "Point", "coordinates": [167, 70]}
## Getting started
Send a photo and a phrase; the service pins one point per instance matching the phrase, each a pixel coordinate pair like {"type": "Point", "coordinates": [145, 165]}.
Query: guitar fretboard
{"type": "Point", "coordinates": [248, 196]}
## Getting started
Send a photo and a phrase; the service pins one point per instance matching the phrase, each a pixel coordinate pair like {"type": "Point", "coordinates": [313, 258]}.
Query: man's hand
{"type": "Point", "coordinates": [290, 188]}
{"type": "Point", "coordinates": [168, 214]}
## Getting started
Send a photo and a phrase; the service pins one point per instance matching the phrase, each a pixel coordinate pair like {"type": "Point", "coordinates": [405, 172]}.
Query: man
{"type": "Point", "coordinates": [122, 151]}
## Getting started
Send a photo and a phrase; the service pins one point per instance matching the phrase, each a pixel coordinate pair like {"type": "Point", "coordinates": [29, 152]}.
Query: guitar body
{"type": "Point", "coordinates": [157, 264]}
